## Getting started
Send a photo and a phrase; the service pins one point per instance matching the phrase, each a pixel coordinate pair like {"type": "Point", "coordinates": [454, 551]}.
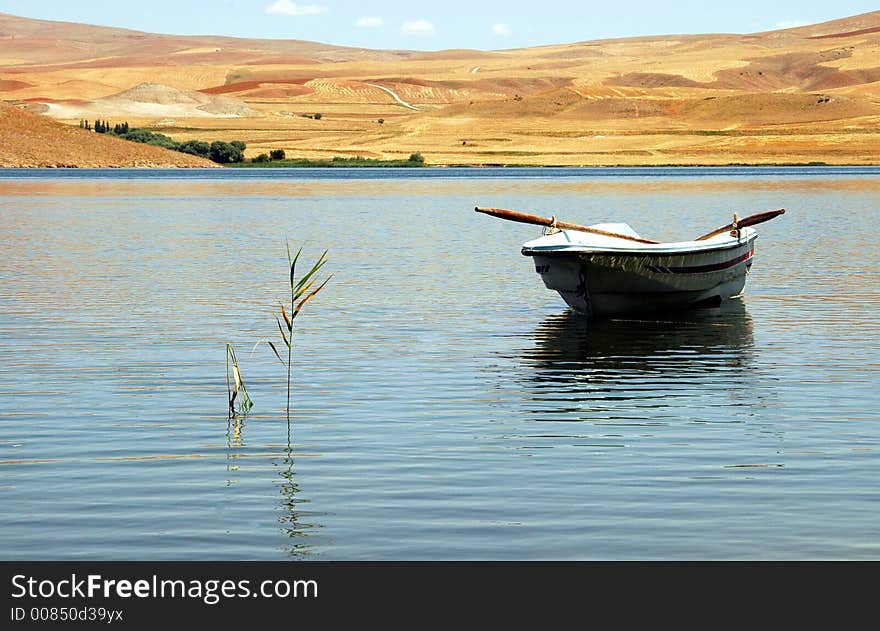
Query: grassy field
{"type": "Point", "coordinates": [336, 162]}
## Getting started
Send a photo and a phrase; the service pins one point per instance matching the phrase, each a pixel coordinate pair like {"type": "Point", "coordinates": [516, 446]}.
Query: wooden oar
{"type": "Point", "coordinates": [513, 215]}
{"type": "Point", "coordinates": [751, 220]}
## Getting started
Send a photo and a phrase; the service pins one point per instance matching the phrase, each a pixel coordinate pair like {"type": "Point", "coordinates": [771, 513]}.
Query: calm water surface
{"type": "Point", "coordinates": [447, 405]}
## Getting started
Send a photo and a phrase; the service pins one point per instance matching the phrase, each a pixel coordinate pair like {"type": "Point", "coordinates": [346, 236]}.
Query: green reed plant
{"type": "Point", "coordinates": [300, 293]}
{"type": "Point", "coordinates": [235, 385]}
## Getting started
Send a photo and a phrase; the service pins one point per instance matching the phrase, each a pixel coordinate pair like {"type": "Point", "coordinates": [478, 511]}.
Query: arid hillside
{"type": "Point", "coordinates": [802, 95]}
{"type": "Point", "coordinates": [31, 140]}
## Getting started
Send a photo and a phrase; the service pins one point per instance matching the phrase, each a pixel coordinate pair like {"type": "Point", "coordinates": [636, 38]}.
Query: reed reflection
{"type": "Point", "coordinates": [291, 515]}
{"type": "Point", "coordinates": [291, 518]}
{"type": "Point", "coordinates": [234, 443]}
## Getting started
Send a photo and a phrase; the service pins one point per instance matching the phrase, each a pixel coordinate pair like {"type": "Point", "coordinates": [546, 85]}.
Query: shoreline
{"type": "Point", "coordinates": [399, 166]}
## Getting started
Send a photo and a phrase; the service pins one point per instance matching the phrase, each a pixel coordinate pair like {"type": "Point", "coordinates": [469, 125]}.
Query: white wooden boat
{"type": "Point", "coordinates": [609, 269]}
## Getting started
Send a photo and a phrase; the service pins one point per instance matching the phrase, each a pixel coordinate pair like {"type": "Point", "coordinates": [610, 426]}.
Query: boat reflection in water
{"type": "Point", "coordinates": [681, 366]}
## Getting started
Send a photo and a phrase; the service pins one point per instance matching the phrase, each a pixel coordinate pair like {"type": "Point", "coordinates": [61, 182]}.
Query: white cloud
{"type": "Point", "coordinates": [370, 21]}
{"type": "Point", "coordinates": [501, 29]}
{"type": "Point", "coordinates": [790, 24]}
{"type": "Point", "coordinates": [418, 27]}
{"type": "Point", "coordinates": [286, 7]}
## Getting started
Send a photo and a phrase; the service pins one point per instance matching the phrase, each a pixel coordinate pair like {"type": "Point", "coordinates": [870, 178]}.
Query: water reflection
{"type": "Point", "coordinates": [567, 341]}
{"type": "Point", "coordinates": [291, 515]}
{"type": "Point", "coordinates": [234, 443]}
{"type": "Point", "coordinates": [581, 369]}
{"type": "Point", "coordinates": [454, 419]}
{"type": "Point", "coordinates": [292, 524]}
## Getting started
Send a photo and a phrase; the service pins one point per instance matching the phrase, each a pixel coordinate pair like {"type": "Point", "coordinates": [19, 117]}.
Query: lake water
{"type": "Point", "coordinates": [446, 404]}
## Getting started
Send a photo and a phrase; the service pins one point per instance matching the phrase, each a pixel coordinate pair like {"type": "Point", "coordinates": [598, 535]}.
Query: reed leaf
{"type": "Point", "coordinates": [292, 262]}
{"type": "Point", "coordinates": [303, 290]}
{"type": "Point", "coordinates": [302, 281]}
{"type": "Point", "coordinates": [229, 394]}
{"type": "Point", "coordinates": [304, 300]}
{"type": "Point", "coordinates": [287, 319]}
{"type": "Point", "coordinates": [283, 334]}
{"type": "Point", "coordinates": [236, 375]}
{"type": "Point", "coordinates": [303, 286]}
{"type": "Point", "coordinates": [277, 354]}
{"type": "Point", "coordinates": [237, 386]}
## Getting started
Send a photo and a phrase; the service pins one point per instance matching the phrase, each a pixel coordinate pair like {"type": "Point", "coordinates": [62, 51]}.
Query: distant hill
{"type": "Point", "coordinates": [70, 43]}
{"type": "Point", "coordinates": [806, 94]}
{"type": "Point", "coordinates": [31, 140]}
{"type": "Point", "coordinates": [152, 100]}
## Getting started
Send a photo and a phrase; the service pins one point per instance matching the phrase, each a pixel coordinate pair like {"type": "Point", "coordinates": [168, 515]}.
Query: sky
{"type": "Point", "coordinates": [441, 24]}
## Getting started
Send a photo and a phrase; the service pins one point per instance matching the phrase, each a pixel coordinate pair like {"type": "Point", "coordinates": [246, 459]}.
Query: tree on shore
{"type": "Point", "coordinates": [195, 147]}
{"type": "Point", "coordinates": [227, 152]}
{"type": "Point", "coordinates": [217, 151]}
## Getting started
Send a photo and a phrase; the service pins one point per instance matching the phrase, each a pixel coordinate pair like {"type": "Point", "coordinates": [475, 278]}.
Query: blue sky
{"type": "Point", "coordinates": [441, 24]}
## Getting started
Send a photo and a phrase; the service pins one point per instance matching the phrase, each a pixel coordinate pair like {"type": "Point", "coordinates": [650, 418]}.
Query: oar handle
{"type": "Point", "coordinates": [751, 220]}
{"type": "Point", "coordinates": [513, 215]}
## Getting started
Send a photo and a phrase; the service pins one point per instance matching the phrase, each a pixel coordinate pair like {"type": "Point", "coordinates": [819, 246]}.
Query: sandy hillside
{"type": "Point", "coordinates": [150, 100]}
{"type": "Point", "coordinates": [32, 140]}
{"type": "Point", "coordinates": [809, 94]}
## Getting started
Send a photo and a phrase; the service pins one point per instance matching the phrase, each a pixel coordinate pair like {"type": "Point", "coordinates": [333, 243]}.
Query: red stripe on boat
{"type": "Point", "coordinates": [714, 267]}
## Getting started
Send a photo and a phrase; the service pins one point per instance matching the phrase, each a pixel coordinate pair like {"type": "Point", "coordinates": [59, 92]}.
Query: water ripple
{"type": "Point", "coordinates": [446, 405]}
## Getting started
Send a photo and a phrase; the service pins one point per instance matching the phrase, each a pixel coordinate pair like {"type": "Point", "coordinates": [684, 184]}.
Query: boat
{"type": "Point", "coordinates": [608, 269]}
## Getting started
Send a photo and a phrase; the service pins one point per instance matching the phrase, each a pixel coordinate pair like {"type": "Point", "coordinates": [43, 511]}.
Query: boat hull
{"type": "Point", "coordinates": [597, 283]}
